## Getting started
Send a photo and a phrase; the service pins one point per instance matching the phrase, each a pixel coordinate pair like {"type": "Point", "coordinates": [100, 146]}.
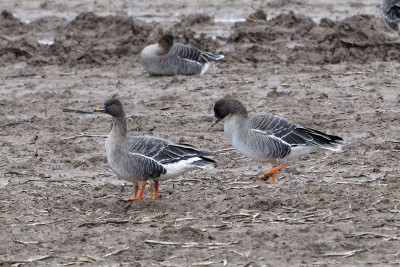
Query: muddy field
{"type": "Point", "coordinates": [332, 68]}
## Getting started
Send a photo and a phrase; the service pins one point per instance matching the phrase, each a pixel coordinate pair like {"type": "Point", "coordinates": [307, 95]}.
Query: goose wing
{"type": "Point", "coordinates": [292, 133]}
{"type": "Point", "coordinates": [164, 151]}
{"type": "Point", "coordinates": [188, 52]}
{"type": "Point", "coordinates": [143, 166]}
{"type": "Point", "coordinates": [263, 141]}
{"type": "Point", "coordinates": [276, 126]}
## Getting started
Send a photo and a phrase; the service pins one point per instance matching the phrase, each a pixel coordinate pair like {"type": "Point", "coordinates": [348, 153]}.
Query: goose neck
{"type": "Point", "coordinates": [119, 129]}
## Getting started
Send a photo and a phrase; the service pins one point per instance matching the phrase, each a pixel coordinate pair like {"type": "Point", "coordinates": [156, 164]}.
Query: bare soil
{"type": "Point", "coordinates": [60, 204]}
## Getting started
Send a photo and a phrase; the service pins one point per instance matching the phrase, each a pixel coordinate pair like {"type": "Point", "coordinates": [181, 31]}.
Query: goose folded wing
{"type": "Point", "coordinates": [291, 133]}
{"type": "Point", "coordinates": [391, 7]}
{"type": "Point", "coordinates": [142, 166]}
{"type": "Point", "coordinates": [317, 138]}
{"type": "Point", "coordinates": [264, 141]}
{"type": "Point", "coordinates": [175, 152]}
{"type": "Point", "coordinates": [164, 151]}
{"type": "Point", "coordinates": [147, 145]}
{"type": "Point", "coordinates": [277, 126]}
{"type": "Point", "coordinates": [394, 12]}
{"type": "Point", "coordinates": [189, 53]}
{"type": "Point", "coordinates": [391, 13]}
{"type": "Point", "coordinates": [147, 167]}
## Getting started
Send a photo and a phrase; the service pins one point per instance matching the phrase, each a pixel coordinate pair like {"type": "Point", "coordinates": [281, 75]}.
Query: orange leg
{"type": "Point", "coordinates": [272, 172]}
{"type": "Point", "coordinates": [140, 196]}
{"type": "Point", "coordinates": [135, 189]}
{"type": "Point", "coordinates": [272, 181]}
{"type": "Point", "coordinates": [154, 190]}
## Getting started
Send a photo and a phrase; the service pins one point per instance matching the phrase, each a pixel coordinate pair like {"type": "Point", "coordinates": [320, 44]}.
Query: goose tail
{"type": "Point", "coordinates": [204, 162]}
{"type": "Point", "coordinates": [335, 144]}
{"type": "Point", "coordinates": [212, 57]}
{"type": "Point", "coordinates": [323, 140]}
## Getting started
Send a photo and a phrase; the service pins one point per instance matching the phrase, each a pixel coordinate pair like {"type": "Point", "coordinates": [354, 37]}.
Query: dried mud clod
{"type": "Point", "coordinates": [295, 38]}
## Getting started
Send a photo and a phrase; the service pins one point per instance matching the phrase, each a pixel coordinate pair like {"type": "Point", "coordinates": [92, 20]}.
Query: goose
{"type": "Point", "coordinates": [269, 138]}
{"type": "Point", "coordinates": [167, 58]}
{"type": "Point", "coordinates": [390, 10]}
{"type": "Point", "coordinates": [139, 159]}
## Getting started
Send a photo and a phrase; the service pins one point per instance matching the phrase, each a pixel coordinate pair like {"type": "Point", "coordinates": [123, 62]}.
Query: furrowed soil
{"type": "Point", "coordinates": [331, 67]}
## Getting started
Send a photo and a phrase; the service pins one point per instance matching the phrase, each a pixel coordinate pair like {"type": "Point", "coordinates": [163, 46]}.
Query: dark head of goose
{"type": "Point", "coordinates": [112, 107]}
{"type": "Point", "coordinates": [225, 107]}
{"type": "Point", "coordinates": [166, 42]}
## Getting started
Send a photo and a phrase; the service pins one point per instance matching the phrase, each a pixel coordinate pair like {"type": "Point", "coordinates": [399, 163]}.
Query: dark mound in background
{"type": "Point", "coordinates": [288, 38]}
{"type": "Point", "coordinates": [294, 38]}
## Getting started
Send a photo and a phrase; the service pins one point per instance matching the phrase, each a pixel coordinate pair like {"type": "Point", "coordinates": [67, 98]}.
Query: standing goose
{"type": "Point", "coordinates": [269, 138]}
{"type": "Point", "coordinates": [390, 10]}
{"type": "Point", "coordinates": [142, 158]}
{"type": "Point", "coordinates": [167, 58]}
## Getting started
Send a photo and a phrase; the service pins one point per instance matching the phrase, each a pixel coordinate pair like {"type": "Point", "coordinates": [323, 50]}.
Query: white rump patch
{"type": "Point", "coordinates": [205, 68]}
{"type": "Point", "coordinates": [301, 150]}
{"type": "Point", "coordinates": [336, 147]}
{"type": "Point", "coordinates": [180, 167]}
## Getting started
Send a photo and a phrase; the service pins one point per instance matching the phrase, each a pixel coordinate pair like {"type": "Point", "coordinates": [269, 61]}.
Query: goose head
{"type": "Point", "coordinates": [226, 107]}
{"type": "Point", "coordinates": [112, 107]}
{"type": "Point", "coordinates": [166, 42]}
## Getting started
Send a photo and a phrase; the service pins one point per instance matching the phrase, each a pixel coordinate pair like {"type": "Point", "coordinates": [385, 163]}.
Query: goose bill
{"type": "Point", "coordinates": [215, 121]}
{"type": "Point", "coordinates": [100, 109]}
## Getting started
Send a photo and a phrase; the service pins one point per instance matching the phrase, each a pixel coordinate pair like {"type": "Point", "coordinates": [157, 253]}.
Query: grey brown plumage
{"type": "Point", "coordinates": [142, 158]}
{"type": "Point", "coordinates": [390, 10]}
{"type": "Point", "coordinates": [168, 58]}
{"type": "Point", "coordinates": [270, 138]}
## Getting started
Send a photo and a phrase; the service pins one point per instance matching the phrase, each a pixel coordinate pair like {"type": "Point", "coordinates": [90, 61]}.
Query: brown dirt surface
{"type": "Point", "coordinates": [60, 203]}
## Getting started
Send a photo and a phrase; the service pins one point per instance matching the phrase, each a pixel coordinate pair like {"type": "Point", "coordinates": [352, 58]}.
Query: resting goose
{"type": "Point", "coordinates": [269, 138]}
{"type": "Point", "coordinates": [390, 10]}
{"type": "Point", "coordinates": [143, 158]}
{"type": "Point", "coordinates": [167, 58]}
